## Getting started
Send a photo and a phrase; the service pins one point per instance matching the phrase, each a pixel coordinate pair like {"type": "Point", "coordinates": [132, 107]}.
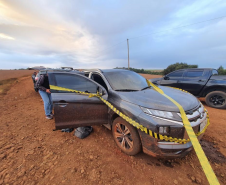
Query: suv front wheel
{"type": "Point", "coordinates": [126, 137]}
{"type": "Point", "coordinates": [216, 99]}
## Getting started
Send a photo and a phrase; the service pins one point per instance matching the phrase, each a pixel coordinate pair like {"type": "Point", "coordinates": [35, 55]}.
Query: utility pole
{"type": "Point", "coordinates": [128, 51]}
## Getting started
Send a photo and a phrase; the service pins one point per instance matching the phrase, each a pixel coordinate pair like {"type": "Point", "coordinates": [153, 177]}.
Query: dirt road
{"type": "Point", "coordinates": [32, 153]}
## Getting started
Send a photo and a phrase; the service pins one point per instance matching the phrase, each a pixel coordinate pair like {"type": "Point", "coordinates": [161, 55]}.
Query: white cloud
{"type": "Point", "coordinates": [6, 36]}
{"type": "Point", "coordinates": [86, 34]}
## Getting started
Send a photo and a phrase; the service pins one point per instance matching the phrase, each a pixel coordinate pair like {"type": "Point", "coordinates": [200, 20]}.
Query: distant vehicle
{"type": "Point", "coordinates": [131, 95]}
{"type": "Point", "coordinates": [201, 82]}
{"type": "Point", "coordinates": [37, 68]}
{"type": "Point", "coordinates": [68, 68]}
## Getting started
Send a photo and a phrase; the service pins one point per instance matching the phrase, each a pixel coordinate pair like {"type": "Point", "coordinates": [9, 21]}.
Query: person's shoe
{"type": "Point", "coordinates": [49, 117]}
{"type": "Point", "coordinates": [51, 114]}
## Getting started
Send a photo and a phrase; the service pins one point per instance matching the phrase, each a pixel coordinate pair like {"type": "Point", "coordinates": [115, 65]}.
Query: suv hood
{"type": "Point", "coordinates": [150, 98]}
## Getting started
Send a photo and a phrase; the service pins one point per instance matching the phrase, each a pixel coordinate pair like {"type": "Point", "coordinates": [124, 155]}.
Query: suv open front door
{"type": "Point", "coordinates": [73, 110]}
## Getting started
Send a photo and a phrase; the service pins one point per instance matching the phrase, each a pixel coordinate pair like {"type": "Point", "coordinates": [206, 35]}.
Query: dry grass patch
{"type": "Point", "coordinates": [5, 85]}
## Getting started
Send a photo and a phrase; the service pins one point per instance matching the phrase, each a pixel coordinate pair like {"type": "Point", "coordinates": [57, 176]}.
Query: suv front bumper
{"type": "Point", "coordinates": [163, 149]}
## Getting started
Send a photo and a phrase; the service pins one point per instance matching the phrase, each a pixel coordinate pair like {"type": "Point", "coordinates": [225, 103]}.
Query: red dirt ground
{"type": "Point", "coordinates": [6, 74]}
{"type": "Point", "coordinates": [150, 76]}
{"type": "Point", "coordinates": [32, 153]}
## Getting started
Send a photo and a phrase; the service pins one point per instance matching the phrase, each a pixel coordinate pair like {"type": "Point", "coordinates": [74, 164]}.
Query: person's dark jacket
{"type": "Point", "coordinates": [43, 83]}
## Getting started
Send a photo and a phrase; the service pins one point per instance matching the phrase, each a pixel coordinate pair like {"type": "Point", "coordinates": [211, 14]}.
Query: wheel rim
{"type": "Point", "coordinates": [123, 136]}
{"type": "Point", "coordinates": [217, 100]}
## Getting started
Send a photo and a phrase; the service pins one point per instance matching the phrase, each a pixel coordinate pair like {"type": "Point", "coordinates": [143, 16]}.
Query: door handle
{"type": "Point", "coordinates": [201, 81]}
{"type": "Point", "coordinates": [62, 103]}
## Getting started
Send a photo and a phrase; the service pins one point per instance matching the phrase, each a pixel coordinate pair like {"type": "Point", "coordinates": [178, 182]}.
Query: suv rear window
{"type": "Point", "coordinates": [75, 82]}
{"type": "Point", "coordinates": [194, 73]}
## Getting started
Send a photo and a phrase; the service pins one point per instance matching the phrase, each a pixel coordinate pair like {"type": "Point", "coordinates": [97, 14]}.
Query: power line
{"type": "Point", "coordinates": [201, 8]}
{"type": "Point", "coordinates": [222, 17]}
{"type": "Point", "coordinates": [161, 32]}
{"type": "Point", "coordinates": [214, 1]}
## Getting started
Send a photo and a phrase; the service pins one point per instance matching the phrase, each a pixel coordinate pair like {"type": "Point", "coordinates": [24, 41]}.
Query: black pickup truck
{"type": "Point", "coordinates": [201, 82]}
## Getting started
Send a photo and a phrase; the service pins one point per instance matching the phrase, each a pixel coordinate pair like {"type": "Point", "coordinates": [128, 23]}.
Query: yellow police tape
{"type": "Point", "coordinates": [211, 177]}
{"type": "Point", "coordinates": [193, 137]}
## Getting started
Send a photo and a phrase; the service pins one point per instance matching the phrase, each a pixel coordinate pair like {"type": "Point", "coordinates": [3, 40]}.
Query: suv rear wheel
{"type": "Point", "coordinates": [126, 136]}
{"type": "Point", "coordinates": [216, 99]}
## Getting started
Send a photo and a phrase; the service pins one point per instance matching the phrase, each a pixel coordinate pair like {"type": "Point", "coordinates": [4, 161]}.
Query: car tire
{"type": "Point", "coordinates": [126, 136]}
{"type": "Point", "coordinates": [216, 99]}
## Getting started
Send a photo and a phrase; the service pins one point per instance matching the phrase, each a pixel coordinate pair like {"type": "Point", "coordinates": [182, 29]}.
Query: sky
{"type": "Point", "coordinates": [94, 33]}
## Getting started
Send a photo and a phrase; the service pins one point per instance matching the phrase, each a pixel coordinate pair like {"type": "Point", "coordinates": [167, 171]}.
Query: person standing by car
{"type": "Point", "coordinates": [33, 79]}
{"type": "Point", "coordinates": [44, 91]}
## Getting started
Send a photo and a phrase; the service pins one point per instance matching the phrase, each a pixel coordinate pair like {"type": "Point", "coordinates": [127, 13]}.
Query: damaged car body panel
{"type": "Point", "coordinates": [128, 92]}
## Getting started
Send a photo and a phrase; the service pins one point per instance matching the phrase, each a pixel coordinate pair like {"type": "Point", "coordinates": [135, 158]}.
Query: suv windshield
{"type": "Point", "coordinates": [126, 81]}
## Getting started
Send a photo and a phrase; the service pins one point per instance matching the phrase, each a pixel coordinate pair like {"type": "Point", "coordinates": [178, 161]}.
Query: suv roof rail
{"type": "Point", "coordinates": [67, 68]}
{"type": "Point", "coordinates": [99, 70]}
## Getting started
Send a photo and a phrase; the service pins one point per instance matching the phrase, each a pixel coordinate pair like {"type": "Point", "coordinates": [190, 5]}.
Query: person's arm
{"type": "Point", "coordinates": [40, 82]}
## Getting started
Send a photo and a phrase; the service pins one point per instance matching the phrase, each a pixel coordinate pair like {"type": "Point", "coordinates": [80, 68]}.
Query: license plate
{"type": "Point", "coordinates": [203, 124]}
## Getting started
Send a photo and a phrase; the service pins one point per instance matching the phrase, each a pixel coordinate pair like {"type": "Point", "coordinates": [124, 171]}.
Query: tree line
{"type": "Point", "coordinates": [171, 68]}
{"type": "Point", "coordinates": [221, 70]}
{"type": "Point", "coordinates": [144, 71]}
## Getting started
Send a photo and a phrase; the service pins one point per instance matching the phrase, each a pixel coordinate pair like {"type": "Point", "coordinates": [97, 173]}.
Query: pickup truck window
{"type": "Point", "coordinates": [75, 82]}
{"type": "Point", "coordinates": [176, 74]}
{"type": "Point", "coordinates": [194, 73]}
{"type": "Point", "coordinates": [214, 72]}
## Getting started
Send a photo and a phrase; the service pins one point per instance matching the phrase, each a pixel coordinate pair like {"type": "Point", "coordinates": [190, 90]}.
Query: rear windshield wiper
{"type": "Point", "coordinates": [145, 88]}
{"type": "Point", "coordinates": [126, 90]}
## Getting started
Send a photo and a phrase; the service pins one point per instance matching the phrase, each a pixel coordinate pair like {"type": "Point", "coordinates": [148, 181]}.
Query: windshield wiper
{"type": "Point", "coordinates": [145, 88]}
{"type": "Point", "coordinates": [126, 90]}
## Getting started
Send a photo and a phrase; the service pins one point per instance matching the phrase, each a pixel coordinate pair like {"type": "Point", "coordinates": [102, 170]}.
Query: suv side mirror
{"type": "Point", "coordinates": [166, 78]}
{"type": "Point", "coordinates": [101, 91]}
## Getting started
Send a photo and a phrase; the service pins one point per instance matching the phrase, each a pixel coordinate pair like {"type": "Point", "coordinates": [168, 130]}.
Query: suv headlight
{"type": "Point", "coordinates": [163, 114]}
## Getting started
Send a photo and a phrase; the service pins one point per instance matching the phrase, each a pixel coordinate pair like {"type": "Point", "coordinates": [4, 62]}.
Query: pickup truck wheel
{"type": "Point", "coordinates": [126, 137]}
{"type": "Point", "coordinates": [216, 99]}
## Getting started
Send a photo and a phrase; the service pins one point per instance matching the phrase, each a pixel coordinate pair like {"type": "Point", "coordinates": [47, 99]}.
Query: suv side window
{"type": "Point", "coordinates": [176, 74]}
{"type": "Point", "coordinates": [87, 74]}
{"type": "Point", "coordinates": [192, 74]}
{"type": "Point", "coordinates": [97, 78]}
{"type": "Point", "coordinates": [75, 82]}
